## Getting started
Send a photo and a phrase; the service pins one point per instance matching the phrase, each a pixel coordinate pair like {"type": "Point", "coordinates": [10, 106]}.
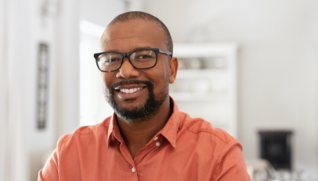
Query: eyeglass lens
{"type": "Point", "coordinates": [139, 59]}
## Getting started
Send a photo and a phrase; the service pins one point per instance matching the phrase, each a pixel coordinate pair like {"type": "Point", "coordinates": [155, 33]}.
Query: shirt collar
{"type": "Point", "coordinates": [113, 133]}
{"type": "Point", "coordinates": [169, 131]}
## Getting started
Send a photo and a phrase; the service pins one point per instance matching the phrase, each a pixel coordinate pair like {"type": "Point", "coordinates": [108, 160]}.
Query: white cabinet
{"type": "Point", "coordinates": [206, 84]}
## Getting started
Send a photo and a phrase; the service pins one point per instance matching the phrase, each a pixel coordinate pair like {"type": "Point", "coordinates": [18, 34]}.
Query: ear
{"type": "Point", "coordinates": [173, 69]}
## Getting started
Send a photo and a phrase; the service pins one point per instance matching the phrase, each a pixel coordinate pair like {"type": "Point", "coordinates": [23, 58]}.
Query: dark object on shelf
{"type": "Point", "coordinates": [276, 147]}
{"type": "Point", "coordinates": [42, 86]}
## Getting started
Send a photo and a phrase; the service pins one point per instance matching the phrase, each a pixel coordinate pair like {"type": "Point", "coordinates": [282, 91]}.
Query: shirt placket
{"type": "Point", "coordinates": [153, 145]}
{"type": "Point", "coordinates": [133, 164]}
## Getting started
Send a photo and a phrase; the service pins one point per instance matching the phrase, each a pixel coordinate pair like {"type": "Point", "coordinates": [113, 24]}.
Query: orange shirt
{"type": "Point", "coordinates": [186, 149]}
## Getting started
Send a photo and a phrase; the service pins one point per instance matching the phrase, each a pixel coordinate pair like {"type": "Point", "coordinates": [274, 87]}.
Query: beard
{"type": "Point", "coordinates": [145, 111]}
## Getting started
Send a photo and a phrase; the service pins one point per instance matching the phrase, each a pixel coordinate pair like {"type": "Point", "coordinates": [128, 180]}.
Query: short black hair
{"type": "Point", "coordinates": [131, 15]}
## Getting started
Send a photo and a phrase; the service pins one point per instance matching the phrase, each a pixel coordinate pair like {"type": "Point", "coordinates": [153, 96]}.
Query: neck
{"type": "Point", "coordinates": [138, 133]}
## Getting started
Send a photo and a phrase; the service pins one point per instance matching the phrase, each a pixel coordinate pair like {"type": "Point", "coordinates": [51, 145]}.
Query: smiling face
{"type": "Point", "coordinates": [138, 94]}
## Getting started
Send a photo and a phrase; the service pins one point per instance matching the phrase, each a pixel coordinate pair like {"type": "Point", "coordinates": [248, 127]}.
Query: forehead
{"type": "Point", "coordinates": [132, 34]}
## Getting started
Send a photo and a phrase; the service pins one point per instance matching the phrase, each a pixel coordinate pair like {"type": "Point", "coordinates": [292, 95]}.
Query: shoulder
{"type": "Point", "coordinates": [199, 127]}
{"type": "Point", "coordinates": [84, 134]}
{"type": "Point", "coordinates": [213, 144]}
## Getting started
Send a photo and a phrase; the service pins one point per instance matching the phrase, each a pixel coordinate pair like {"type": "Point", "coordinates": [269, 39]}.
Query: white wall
{"type": "Point", "coordinates": [19, 71]}
{"type": "Point", "coordinates": [3, 92]}
{"type": "Point", "coordinates": [24, 141]}
{"type": "Point", "coordinates": [67, 67]}
{"type": "Point", "coordinates": [25, 146]}
{"type": "Point", "coordinates": [278, 63]}
{"type": "Point", "coordinates": [93, 105]}
{"type": "Point", "coordinates": [101, 11]}
{"type": "Point", "coordinates": [94, 17]}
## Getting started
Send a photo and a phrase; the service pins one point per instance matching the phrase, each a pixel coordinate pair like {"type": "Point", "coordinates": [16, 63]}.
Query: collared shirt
{"type": "Point", "coordinates": [185, 149]}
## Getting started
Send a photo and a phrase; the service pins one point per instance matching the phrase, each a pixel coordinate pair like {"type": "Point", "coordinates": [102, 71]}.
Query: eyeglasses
{"type": "Point", "coordinates": [140, 59]}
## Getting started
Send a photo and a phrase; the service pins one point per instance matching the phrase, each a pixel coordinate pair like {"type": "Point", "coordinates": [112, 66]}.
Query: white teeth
{"type": "Point", "coordinates": [130, 91]}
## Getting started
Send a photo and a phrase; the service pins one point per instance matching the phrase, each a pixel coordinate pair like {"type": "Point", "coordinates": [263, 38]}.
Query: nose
{"type": "Point", "coordinates": [127, 70]}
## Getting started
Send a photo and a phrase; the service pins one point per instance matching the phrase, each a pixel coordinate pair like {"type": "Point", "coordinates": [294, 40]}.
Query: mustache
{"type": "Point", "coordinates": [148, 84]}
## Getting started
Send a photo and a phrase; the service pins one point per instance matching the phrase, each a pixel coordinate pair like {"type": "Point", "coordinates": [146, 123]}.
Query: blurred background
{"type": "Point", "coordinates": [256, 77]}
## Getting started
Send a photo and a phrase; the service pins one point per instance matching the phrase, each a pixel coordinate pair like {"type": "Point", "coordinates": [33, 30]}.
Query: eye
{"type": "Point", "coordinates": [144, 55]}
{"type": "Point", "coordinates": [110, 58]}
{"type": "Point", "coordinates": [114, 59]}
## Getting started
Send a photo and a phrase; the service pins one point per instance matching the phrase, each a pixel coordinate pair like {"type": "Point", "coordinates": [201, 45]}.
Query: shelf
{"type": "Point", "coordinates": [206, 83]}
{"type": "Point", "coordinates": [200, 73]}
{"type": "Point", "coordinates": [200, 97]}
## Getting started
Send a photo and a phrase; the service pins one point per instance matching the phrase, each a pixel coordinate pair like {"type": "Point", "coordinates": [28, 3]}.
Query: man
{"type": "Point", "coordinates": [147, 138]}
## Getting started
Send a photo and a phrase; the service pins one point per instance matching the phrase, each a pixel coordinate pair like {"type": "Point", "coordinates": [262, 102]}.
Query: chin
{"type": "Point", "coordinates": [138, 112]}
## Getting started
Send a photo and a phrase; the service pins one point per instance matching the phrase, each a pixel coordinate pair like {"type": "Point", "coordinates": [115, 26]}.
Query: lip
{"type": "Point", "coordinates": [130, 92]}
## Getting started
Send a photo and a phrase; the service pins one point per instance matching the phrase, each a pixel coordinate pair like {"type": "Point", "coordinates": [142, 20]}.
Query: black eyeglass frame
{"type": "Point", "coordinates": [128, 54]}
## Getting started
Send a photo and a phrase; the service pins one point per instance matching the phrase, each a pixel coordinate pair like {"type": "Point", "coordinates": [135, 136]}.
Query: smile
{"type": "Point", "coordinates": [130, 90]}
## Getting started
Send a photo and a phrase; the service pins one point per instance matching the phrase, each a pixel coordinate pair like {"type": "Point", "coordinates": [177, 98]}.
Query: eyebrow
{"type": "Point", "coordinates": [135, 49]}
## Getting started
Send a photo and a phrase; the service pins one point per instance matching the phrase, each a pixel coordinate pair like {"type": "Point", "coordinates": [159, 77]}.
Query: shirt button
{"type": "Point", "coordinates": [157, 143]}
{"type": "Point", "coordinates": [133, 169]}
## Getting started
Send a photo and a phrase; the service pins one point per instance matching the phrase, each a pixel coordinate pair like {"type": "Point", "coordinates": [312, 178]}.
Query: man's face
{"type": "Point", "coordinates": [137, 94]}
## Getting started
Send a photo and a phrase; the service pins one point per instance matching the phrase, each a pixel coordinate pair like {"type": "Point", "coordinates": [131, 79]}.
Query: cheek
{"type": "Point", "coordinates": [107, 81]}
{"type": "Point", "coordinates": [161, 77]}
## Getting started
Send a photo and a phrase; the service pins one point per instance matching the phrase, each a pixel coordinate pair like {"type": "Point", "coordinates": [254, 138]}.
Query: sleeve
{"type": "Point", "coordinates": [50, 170]}
{"type": "Point", "coordinates": [232, 165]}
